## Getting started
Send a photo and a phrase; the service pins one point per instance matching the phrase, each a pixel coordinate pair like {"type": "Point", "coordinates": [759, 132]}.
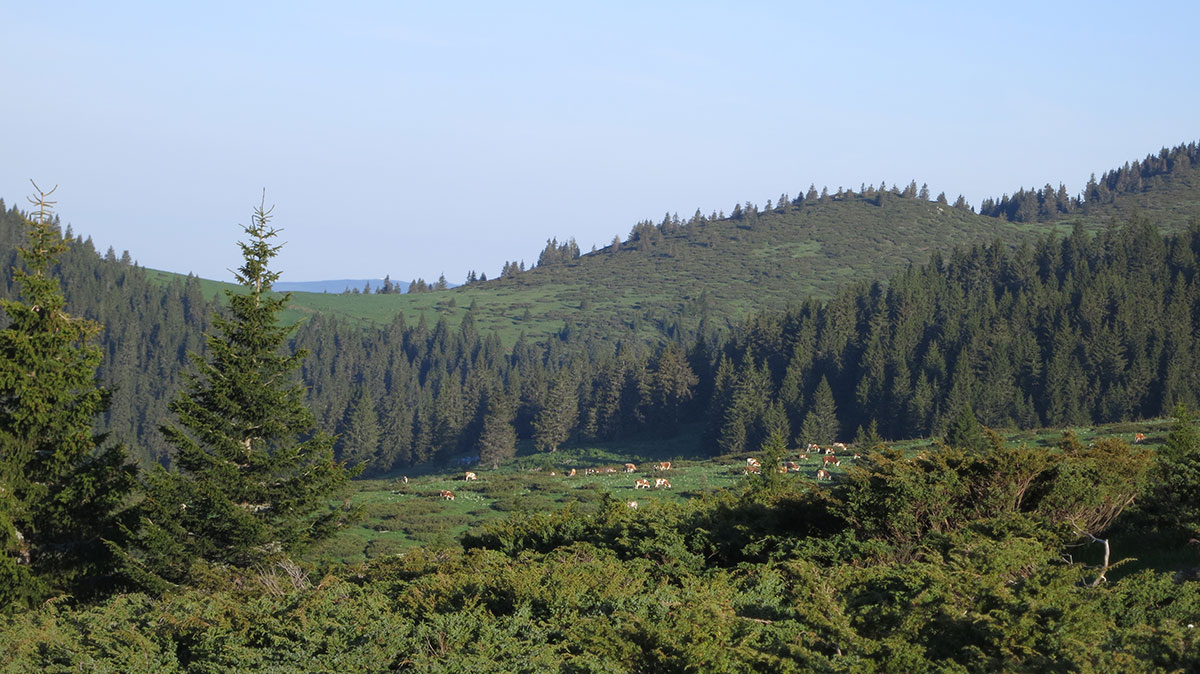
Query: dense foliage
{"type": "Point", "coordinates": [1068, 331]}
{"type": "Point", "coordinates": [62, 486]}
{"type": "Point", "coordinates": [952, 563]}
{"type": "Point", "coordinates": [246, 487]}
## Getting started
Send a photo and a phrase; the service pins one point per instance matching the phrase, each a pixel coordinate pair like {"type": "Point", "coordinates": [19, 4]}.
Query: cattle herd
{"type": "Point", "coordinates": [829, 457]}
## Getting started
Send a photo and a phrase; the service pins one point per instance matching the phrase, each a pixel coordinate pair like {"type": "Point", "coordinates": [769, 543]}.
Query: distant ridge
{"type": "Point", "coordinates": [336, 286]}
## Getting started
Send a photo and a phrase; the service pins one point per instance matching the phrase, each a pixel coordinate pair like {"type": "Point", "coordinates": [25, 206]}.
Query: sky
{"type": "Point", "coordinates": [420, 139]}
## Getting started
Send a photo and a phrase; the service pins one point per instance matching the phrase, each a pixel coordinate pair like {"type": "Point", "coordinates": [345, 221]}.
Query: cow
{"type": "Point", "coordinates": [641, 483]}
{"type": "Point", "coordinates": [840, 446]}
{"type": "Point", "coordinates": [752, 461]}
{"type": "Point", "coordinates": [610, 469]}
{"type": "Point", "coordinates": [632, 505]}
{"type": "Point", "coordinates": [857, 457]}
{"type": "Point", "coordinates": [756, 469]}
{"type": "Point", "coordinates": [592, 471]}
{"type": "Point", "coordinates": [830, 460]}
{"type": "Point", "coordinates": [813, 447]}
{"type": "Point", "coordinates": [470, 476]}
{"type": "Point", "coordinates": [823, 474]}
{"type": "Point", "coordinates": [552, 473]}
{"type": "Point", "coordinates": [662, 465]}
{"type": "Point", "coordinates": [1138, 438]}
{"type": "Point", "coordinates": [629, 468]}
{"type": "Point", "coordinates": [804, 457]}
{"type": "Point", "coordinates": [790, 467]}
{"type": "Point", "coordinates": [828, 450]}
{"type": "Point", "coordinates": [662, 482]}
{"type": "Point", "coordinates": [572, 473]}
{"type": "Point", "coordinates": [405, 478]}
{"type": "Point", "coordinates": [447, 495]}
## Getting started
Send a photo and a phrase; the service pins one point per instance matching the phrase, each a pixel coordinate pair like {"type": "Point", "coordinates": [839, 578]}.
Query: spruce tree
{"type": "Point", "coordinates": [498, 439]}
{"type": "Point", "coordinates": [62, 488]}
{"type": "Point", "coordinates": [250, 482]}
{"type": "Point", "coordinates": [821, 423]}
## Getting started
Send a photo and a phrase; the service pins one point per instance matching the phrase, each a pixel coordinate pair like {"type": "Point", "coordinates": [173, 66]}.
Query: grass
{"type": "Point", "coordinates": [401, 515]}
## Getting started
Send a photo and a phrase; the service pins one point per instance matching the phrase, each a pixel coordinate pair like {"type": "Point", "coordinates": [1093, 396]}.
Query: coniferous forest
{"type": "Point", "coordinates": [174, 462]}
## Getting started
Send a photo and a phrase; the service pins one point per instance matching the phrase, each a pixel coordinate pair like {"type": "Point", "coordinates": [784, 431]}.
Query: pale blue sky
{"type": "Point", "coordinates": [415, 139]}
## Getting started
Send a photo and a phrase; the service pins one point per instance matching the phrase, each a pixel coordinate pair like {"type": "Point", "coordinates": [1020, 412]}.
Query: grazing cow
{"type": "Point", "coordinates": [641, 483]}
{"type": "Point", "coordinates": [662, 465]}
{"type": "Point", "coordinates": [839, 446]}
{"type": "Point", "coordinates": [629, 468]}
{"type": "Point", "coordinates": [752, 461]}
{"type": "Point", "coordinates": [447, 494]}
{"type": "Point", "coordinates": [610, 469]}
{"type": "Point", "coordinates": [572, 473]}
{"type": "Point", "coordinates": [790, 467]}
{"type": "Point", "coordinates": [591, 471]}
{"type": "Point", "coordinates": [405, 478]}
{"type": "Point", "coordinates": [756, 469]}
{"type": "Point", "coordinates": [633, 505]}
{"type": "Point", "coordinates": [1138, 438]}
{"type": "Point", "coordinates": [830, 461]}
{"type": "Point", "coordinates": [662, 482]}
{"type": "Point", "coordinates": [828, 450]}
{"type": "Point", "coordinates": [813, 447]}
{"type": "Point", "coordinates": [470, 476]}
{"type": "Point", "coordinates": [823, 474]}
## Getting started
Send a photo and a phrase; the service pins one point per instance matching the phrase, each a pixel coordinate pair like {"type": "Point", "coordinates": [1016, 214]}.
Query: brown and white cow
{"type": "Point", "coordinates": [662, 482]}
{"type": "Point", "coordinates": [447, 494]}
{"type": "Point", "coordinates": [572, 473]}
{"type": "Point", "coordinates": [1138, 437]}
{"type": "Point", "coordinates": [814, 447]}
{"type": "Point", "coordinates": [641, 483]}
{"type": "Point", "coordinates": [839, 446]}
{"type": "Point", "coordinates": [610, 469]}
{"type": "Point", "coordinates": [470, 476]}
{"type": "Point", "coordinates": [756, 469]}
{"type": "Point", "coordinates": [629, 468]}
{"type": "Point", "coordinates": [829, 450]}
{"type": "Point", "coordinates": [662, 465]}
{"type": "Point", "coordinates": [632, 505]}
{"type": "Point", "coordinates": [790, 467]}
{"type": "Point", "coordinates": [752, 461]}
{"type": "Point", "coordinates": [823, 474]}
{"type": "Point", "coordinates": [830, 460]}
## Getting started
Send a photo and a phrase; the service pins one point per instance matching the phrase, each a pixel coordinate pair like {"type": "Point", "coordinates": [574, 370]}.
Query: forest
{"type": "Point", "coordinates": [200, 550]}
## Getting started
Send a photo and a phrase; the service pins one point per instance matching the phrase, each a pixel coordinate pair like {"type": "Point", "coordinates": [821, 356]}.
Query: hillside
{"type": "Point", "coordinates": [668, 277]}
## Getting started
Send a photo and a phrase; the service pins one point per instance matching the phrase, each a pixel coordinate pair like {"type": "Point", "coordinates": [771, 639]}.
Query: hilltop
{"type": "Point", "coordinates": [676, 277]}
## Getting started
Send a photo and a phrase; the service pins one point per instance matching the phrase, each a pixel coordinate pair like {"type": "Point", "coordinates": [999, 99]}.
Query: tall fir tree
{"type": "Point", "coordinates": [62, 486]}
{"type": "Point", "coordinates": [821, 423]}
{"type": "Point", "coordinates": [250, 482]}
{"type": "Point", "coordinates": [498, 439]}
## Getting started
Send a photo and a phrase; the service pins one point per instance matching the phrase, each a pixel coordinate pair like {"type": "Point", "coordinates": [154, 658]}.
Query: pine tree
{"type": "Point", "coordinates": [244, 489]}
{"type": "Point", "coordinates": [498, 439]}
{"type": "Point", "coordinates": [821, 423]}
{"type": "Point", "coordinates": [359, 441]}
{"type": "Point", "coordinates": [61, 486]}
{"type": "Point", "coordinates": [556, 420]}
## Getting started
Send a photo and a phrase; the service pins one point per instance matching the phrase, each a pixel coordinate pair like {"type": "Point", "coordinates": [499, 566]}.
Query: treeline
{"type": "Point", "coordinates": [147, 328]}
{"type": "Point", "coordinates": [1075, 330]}
{"type": "Point", "coordinates": [409, 394]}
{"type": "Point", "coordinates": [1051, 203]}
{"type": "Point", "coordinates": [1070, 330]}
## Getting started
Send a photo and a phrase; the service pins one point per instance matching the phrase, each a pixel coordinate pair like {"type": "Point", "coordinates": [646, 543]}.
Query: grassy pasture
{"type": "Point", "coordinates": [399, 516]}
